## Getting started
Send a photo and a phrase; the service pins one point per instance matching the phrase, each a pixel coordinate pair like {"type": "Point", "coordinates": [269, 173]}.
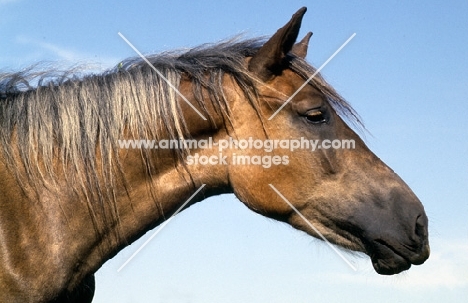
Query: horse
{"type": "Point", "coordinates": [72, 197]}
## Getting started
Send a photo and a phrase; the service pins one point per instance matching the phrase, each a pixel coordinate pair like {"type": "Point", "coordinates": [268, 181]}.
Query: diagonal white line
{"type": "Point", "coordinates": [313, 227]}
{"type": "Point", "coordinates": [160, 228]}
{"type": "Point", "coordinates": [313, 75]}
{"type": "Point", "coordinates": [161, 75]}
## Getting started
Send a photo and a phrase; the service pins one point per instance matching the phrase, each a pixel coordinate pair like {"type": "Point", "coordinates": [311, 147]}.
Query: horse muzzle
{"type": "Point", "coordinates": [391, 256]}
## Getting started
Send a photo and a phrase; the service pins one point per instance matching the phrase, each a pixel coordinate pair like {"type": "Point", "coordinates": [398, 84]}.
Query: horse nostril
{"type": "Point", "coordinates": [420, 229]}
{"type": "Point", "coordinates": [421, 241]}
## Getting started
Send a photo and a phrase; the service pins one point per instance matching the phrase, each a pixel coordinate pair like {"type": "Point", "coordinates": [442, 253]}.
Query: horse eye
{"type": "Point", "coordinates": [316, 116]}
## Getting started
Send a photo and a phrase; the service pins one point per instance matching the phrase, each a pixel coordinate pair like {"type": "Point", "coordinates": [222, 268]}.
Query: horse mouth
{"type": "Point", "coordinates": [388, 260]}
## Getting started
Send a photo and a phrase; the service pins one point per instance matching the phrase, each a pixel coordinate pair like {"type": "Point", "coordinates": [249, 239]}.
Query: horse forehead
{"type": "Point", "coordinates": [289, 83]}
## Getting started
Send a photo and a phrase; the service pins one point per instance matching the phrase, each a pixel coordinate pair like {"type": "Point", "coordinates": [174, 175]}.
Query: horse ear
{"type": "Point", "coordinates": [269, 60]}
{"type": "Point", "coordinates": [300, 49]}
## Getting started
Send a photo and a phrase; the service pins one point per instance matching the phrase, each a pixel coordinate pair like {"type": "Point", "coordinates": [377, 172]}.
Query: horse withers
{"type": "Point", "coordinates": [73, 197]}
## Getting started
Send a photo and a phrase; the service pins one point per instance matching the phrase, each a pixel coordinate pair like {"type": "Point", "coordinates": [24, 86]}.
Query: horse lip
{"type": "Point", "coordinates": [388, 260]}
{"type": "Point", "coordinates": [421, 256]}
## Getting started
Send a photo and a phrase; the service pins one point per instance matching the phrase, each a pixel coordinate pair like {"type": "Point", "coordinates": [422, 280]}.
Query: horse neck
{"type": "Point", "coordinates": [156, 185]}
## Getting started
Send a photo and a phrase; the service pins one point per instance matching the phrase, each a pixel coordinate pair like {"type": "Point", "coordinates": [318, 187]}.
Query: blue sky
{"type": "Point", "coordinates": [405, 72]}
